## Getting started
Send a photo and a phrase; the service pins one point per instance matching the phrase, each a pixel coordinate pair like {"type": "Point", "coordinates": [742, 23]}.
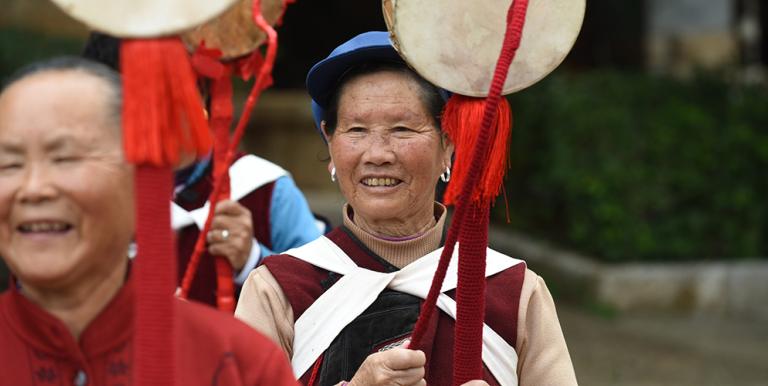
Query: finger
{"type": "Point", "coordinates": [221, 249]}
{"type": "Point", "coordinates": [236, 253]}
{"type": "Point", "coordinates": [410, 376]}
{"type": "Point", "coordinates": [220, 235]}
{"type": "Point", "coordinates": [240, 226]}
{"type": "Point", "coordinates": [402, 359]}
{"type": "Point", "coordinates": [223, 221]}
{"type": "Point", "coordinates": [475, 382]}
{"type": "Point", "coordinates": [231, 208]}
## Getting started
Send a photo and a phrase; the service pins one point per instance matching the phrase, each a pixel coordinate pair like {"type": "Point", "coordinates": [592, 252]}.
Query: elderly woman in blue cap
{"type": "Point", "coordinates": [343, 306]}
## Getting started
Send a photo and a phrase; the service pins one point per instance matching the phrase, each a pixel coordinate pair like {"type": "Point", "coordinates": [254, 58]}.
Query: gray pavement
{"type": "Point", "coordinates": [645, 350]}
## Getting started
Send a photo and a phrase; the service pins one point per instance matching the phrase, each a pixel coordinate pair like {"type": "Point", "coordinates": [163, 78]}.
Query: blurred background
{"type": "Point", "coordinates": [638, 174]}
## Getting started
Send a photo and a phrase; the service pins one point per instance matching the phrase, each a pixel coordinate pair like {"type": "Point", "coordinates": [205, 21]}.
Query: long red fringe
{"type": "Point", "coordinates": [162, 111]}
{"type": "Point", "coordinates": [460, 121]}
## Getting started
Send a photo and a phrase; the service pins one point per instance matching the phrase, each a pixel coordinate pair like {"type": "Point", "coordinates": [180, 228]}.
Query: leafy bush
{"type": "Point", "coordinates": [632, 167]}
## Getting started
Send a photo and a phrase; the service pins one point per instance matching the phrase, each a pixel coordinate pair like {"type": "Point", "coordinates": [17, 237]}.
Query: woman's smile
{"type": "Point", "coordinates": [380, 182]}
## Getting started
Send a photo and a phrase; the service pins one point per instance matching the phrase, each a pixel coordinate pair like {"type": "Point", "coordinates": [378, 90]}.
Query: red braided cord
{"type": "Point", "coordinates": [263, 81]}
{"type": "Point", "coordinates": [207, 64]}
{"type": "Point", "coordinates": [515, 22]}
{"type": "Point", "coordinates": [221, 111]}
{"type": "Point", "coordinates": [156, 267]}
{"type": "Point", "coordinates": [470, 295]}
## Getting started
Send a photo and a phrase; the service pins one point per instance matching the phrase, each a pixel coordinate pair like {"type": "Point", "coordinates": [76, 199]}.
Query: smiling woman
{"type": "Point", "coordinates": [63, 182]}
{"type": "Point", "coordinates": [66, 222]}
{"type": "Point", "coordinates": [387, 160]}
{"type": "Point", "coordinates": [344, 306]}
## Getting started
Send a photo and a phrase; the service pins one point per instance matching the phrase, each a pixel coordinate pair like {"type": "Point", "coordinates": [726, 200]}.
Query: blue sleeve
{"type": "Point", "coordinates": [291, 222]}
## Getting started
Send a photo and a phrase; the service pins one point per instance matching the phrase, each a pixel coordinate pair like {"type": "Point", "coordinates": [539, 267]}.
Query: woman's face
{"type": "Point", "coordinates": [66, 194]}
{"type": "Point", "coordinates": [387, 152]}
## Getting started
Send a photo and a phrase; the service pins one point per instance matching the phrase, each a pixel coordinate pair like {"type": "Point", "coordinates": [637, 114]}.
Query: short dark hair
{"type": "Point", "coordinates": [429, 94]}
{"type": "Point", "coordinates": [104, 49]}
{"type": "Point", "coordinates": [74, 63]}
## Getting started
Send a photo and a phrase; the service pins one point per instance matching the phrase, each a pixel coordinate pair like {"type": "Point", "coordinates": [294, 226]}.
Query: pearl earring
{"type": "Point", "coordinates": [446, 176]}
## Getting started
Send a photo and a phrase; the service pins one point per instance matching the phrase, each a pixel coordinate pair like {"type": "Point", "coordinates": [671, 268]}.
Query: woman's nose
{"type": "Point", "coordinates": [36, 185]}
{"type": "Point", "coordinates": [380, 150]}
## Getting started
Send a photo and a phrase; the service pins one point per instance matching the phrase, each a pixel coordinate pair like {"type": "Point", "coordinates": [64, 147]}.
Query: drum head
{"type": "Point", "coordinates": [234, 32]}
{"type": "Point", "coordinates": [143, 18]}
{"type": "Point", "coordinates": [455, 43]}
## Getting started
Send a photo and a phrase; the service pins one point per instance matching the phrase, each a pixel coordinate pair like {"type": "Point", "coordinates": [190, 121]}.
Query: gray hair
{"type": "Point", "coordinates": [74, 63]}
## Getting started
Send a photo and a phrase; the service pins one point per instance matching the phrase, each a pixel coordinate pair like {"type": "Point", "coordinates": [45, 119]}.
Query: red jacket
{"type": "Point", "coordinates": [212, 348]}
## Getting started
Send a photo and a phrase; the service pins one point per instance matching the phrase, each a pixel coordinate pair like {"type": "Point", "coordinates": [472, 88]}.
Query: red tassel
{"type": "Point", "coordinates": [162, 111]}
{"type": "Point", "coordinates": [460, 121]}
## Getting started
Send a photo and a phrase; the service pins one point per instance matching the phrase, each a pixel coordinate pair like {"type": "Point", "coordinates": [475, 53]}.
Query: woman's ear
{"type": "Point", "coordinates": [448, 148]}
{"type": "Point", "coordinates": [325, 133]}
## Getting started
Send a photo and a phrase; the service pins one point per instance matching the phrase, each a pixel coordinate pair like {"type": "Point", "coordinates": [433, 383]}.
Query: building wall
{"type": "Point", "coordinates": [686, 35]}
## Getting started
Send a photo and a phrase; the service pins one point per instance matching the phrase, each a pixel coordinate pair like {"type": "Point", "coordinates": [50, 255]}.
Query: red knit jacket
{"type": "Point", "coordinates": [212, 348]}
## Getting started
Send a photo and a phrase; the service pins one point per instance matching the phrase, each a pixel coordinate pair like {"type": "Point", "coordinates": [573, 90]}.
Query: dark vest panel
{"type": "Point", "coordinates": [392, 316]}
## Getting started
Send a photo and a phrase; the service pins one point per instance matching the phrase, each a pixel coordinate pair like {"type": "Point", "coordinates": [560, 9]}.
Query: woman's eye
{"type": "Point", "coordinates": [67, 159]}
{"type": "Point", "coordinates": [356, 129]}
{"type": "Point", "coordinates": [402, 129]}
{"type": "Point", "coordinates": [10, 165]}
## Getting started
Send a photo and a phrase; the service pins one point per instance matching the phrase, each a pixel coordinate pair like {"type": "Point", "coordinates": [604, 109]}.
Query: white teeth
{"type": "Point", "coordinates": [381, 181]}
{"type": "Point", "coordinates": [44, 227]}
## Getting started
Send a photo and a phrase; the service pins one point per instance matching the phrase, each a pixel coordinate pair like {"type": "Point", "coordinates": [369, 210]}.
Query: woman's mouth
{"type": "Point", "coordinates": [380, 181]}
{"type": "Point", "coordinates": [44, 227]}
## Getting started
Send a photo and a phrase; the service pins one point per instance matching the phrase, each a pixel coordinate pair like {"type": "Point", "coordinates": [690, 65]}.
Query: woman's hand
{"type": "Point", "coordinates": [396, 367]}
{"type": "Point", "coordinates": [231, 233]}
{"type": "Point", "coordinates": [476, 383]}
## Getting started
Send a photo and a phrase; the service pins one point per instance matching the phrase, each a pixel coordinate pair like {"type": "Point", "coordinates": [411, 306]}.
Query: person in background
{"type": "Point", "coordinates": [270, 216]}
{"type": "Point", "coordinates": [66, 223]}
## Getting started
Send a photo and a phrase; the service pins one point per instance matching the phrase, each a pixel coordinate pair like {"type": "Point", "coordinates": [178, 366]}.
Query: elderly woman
{"type": "Point", "coordinates": [66, 222]}
{"type": "Point", "coordinates": [381, 123]}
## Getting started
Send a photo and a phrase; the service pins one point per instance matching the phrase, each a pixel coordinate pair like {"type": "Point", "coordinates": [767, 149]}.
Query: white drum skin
{"type": "Point", "coordinates": [455, 43]}
{"type": "Point", "coordinates": [143, 18]}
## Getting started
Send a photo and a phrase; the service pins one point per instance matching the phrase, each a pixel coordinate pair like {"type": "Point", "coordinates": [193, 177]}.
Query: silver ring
{"type": "Point", "coordinates": [224, 235]}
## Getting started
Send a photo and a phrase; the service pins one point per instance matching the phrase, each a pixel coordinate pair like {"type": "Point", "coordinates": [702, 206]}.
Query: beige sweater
{"type": "Point", "coordinates": [543, 358]}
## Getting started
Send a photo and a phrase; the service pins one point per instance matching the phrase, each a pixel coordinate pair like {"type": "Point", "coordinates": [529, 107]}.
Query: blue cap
{"type": "Point", "coordinates": [324, 76]}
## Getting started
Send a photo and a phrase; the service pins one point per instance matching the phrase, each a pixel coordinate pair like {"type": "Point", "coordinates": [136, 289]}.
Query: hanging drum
{"type": "Point", "coordinates": [455, 43]}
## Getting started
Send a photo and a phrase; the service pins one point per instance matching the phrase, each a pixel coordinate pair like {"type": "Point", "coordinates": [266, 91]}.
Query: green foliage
{"type": "Point", "coordinates": [632, 167]}
{"type": "Point", "coordinates": [19, 47]}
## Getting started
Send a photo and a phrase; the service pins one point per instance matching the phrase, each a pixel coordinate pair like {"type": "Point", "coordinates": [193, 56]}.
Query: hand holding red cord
{"type": "Point", "coordinates": [231, 233]}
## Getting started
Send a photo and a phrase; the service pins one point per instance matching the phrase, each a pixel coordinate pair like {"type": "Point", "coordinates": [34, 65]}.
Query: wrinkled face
{"type": "Point", "coordinates": [387, 152]}
{"type": "Point", "coordinates": [66, 194]}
